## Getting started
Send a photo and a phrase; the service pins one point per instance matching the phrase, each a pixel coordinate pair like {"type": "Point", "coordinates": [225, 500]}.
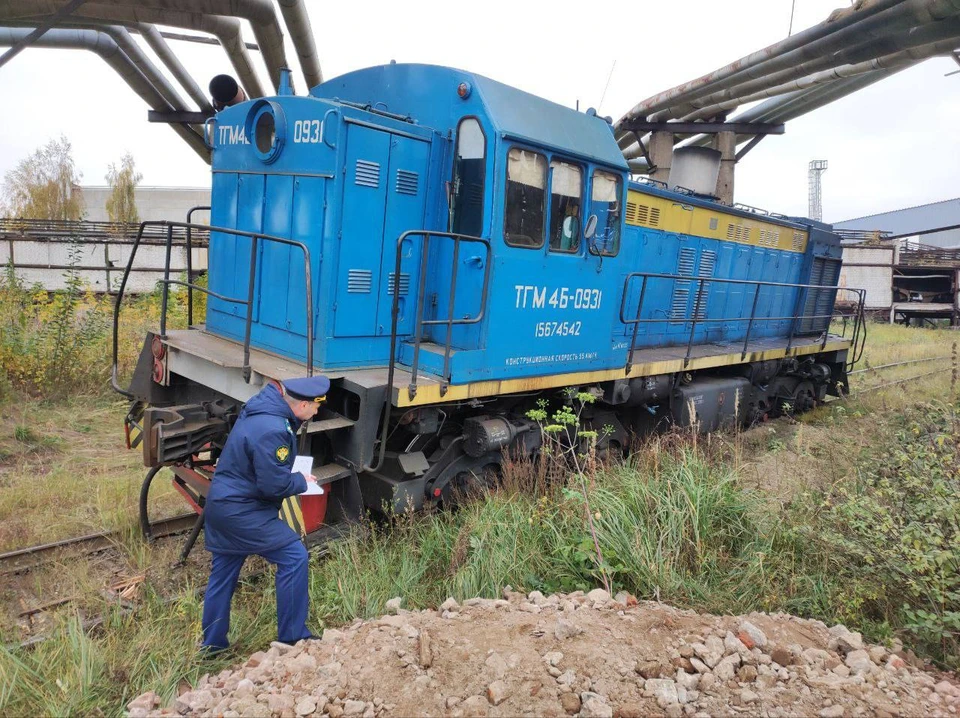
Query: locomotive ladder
{"type": "Point", "coordinates": [449, 322]}
{"type": "Point", "coordinates": [818, 322]}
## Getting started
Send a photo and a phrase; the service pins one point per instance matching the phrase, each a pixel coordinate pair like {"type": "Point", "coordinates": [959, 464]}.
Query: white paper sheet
{"type": "Point", "coordinates": [304, 465]}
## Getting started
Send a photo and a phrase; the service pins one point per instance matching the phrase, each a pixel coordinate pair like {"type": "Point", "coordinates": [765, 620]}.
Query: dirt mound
{"type": "Point", "coordinates": [587, 655]}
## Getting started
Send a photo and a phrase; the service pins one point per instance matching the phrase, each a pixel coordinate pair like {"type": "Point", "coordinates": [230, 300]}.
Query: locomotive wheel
{"type": "Point", "coordinates": [804, 398]}
{"type": "Point", "coordinates": [470, 484]}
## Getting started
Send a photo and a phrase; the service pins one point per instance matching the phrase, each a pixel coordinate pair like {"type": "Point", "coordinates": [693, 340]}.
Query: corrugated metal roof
{"type": "Point", "coordinates": [909, 220]}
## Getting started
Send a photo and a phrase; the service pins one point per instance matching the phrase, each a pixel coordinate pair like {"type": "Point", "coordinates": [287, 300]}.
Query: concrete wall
{"type": "Point", "coordinates": [169, 203]}
{"type": "Point", "coordinates": [869, 268]}
{"type": "Point", "coordinates": [99, 264]}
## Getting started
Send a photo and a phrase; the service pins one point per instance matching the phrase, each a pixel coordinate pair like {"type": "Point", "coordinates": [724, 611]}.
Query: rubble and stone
{"type": "Point", "coordinates": [586, 655]}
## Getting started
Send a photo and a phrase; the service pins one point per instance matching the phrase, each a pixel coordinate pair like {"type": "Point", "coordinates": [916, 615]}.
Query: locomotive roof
{"type": "Point", "coordinates": [428, 94]}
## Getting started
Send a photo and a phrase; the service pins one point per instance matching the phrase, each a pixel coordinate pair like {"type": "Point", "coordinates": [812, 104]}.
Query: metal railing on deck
{"type": "Point", "coordinates": [698, 317]}
{"type": "Point", "coordinates": [188, 227]}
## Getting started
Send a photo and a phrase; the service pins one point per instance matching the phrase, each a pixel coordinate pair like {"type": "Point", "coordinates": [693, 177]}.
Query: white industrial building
{"type": "Point", "coordinates": [936, 224]}
{"type": "Point", "coordinates": [152, 202]}
{"type": "Point", "coordinates": [41, 252]}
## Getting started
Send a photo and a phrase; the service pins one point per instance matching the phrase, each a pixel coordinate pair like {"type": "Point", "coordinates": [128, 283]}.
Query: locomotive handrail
{"type": "Point", "coordinates": [421, 322]}
{"type": "Point", "coordinates": [859, 328]}
{"type": "Point", "coordinates": [421, 288]}
{"type": "Point", "coordinates": [248, 302]}
{"type": "Point", "coordinates": [199, 207]}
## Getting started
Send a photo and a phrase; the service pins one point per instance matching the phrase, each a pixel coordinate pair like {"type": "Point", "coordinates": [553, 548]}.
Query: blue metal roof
{"type": "Point", "coordinates": [519, 114]}
{"type": "Point", "coordinates": [427, 94]}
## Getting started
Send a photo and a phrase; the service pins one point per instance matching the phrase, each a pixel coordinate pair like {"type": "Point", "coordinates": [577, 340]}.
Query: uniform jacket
{"type": "Point", "coordinates": [253, 477]}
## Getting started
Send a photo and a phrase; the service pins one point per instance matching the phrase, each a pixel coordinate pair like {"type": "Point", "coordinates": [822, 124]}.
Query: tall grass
{"type": "Point", "coordinates": [673, 524]}
{"type": "Point", "coordinates": [58, 344]}
{"type": "Point", "coordinates": [685, 532]}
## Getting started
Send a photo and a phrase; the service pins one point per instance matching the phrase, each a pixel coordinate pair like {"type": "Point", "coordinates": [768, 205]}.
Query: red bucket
{"type": "Point", "coordinates": [314, 510]}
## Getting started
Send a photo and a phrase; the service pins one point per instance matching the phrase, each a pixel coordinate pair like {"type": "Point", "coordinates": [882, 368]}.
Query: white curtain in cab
{"type": "Point", "coordinates": [565, 180]}
{"type": "Point", "coordinates": [527, 168]}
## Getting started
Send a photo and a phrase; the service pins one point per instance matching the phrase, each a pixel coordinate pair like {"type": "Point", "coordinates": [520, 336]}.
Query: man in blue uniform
{"type": "Point", "coordinates": [241, 515]}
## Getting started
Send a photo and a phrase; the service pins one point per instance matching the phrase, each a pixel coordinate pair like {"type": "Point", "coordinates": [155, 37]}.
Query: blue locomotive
{"type": "Point", "coordinates": [450, 250]}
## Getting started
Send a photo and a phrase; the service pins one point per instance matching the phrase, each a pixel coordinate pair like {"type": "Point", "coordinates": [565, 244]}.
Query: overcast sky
{"type": "Point", "coordinates": [892, 145]}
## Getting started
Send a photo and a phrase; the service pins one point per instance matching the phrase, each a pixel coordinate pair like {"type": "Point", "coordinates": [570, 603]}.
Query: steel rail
{"type": "Point", "coordinates": [894, 383]}
{"type": "Point", "coordinates": [899, 363]}
{"type": "Point", "coordinates": [28, 558]}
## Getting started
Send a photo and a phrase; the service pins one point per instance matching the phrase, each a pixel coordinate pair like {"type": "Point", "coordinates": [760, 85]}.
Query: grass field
{"type": "Point", "coordinates": [726, 523]}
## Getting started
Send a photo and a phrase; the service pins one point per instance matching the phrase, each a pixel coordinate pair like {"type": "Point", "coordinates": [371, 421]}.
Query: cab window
{"type": "Point", "coordinates": [524, 205]}
{"type": "Point", "coordinates": [605, 203]}
{"type": "Point", "coordinates": [566, 199]}
{"type": "Point", "coordinates": [469, 167]}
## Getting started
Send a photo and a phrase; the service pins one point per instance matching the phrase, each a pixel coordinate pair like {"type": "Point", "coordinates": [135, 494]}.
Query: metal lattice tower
{"type": "Point", "coordinates": [814, 205]}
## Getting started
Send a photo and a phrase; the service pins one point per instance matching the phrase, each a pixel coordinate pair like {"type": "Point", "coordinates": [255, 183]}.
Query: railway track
{"type": "Point", "coordinates": [26, 559]}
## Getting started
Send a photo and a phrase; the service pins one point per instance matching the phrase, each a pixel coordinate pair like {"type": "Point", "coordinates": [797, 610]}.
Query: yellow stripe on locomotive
{"type": "Point", "coordinates": [670, 215]}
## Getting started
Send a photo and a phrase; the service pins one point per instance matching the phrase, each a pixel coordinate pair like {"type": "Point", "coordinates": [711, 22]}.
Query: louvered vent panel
{"type": "Point", "coordinates": [631, 211]}
{"type": "Point", "coordinates": [769, 238]}
{"type": "Point", "coordinates": [708, 263]}
{"type": "Point", "coordinates": [798, 241]}
{"type": "Point", "coordinates": [407, 182]}
{"type": "Point", "coordinates": [655, 217]}
{"type": "Point", "coordinates": [681, 296]}
{"type": "Point", "coordinates": [738, 233]}
{"type": "Point", "coordinates": [681, 290]}
{"type": "Point", "coordinates": [643, 214]}
{"type": "Point", "coordinates": [359, 281]}
{"type": "Point", "coordinates": [404, 283]}
{"type": "Point", "coordinates": [368, 174]}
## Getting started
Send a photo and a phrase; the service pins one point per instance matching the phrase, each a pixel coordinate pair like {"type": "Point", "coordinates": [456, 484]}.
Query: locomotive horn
{"type": "Point", "coordinates": [226, 92]}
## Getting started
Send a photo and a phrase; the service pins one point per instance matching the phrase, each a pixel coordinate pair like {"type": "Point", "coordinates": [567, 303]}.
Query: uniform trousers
{"type": "Point", "coordinates": [291, 588]}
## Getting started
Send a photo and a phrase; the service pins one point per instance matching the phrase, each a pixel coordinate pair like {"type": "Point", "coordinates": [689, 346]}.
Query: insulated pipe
{"type": "Point", "coordinates": [132, 50]}
{"type": "Point", "coordinates": [260, 14]}
{"type": "Point", "coordinates": [107, 48]}
{"type": "Point", "coordinates": [789, 106]}
{"type": "Point", "coordinates": [935, 30]}
{"type": "Point", "coordinates": [850, 55]}
{"type": "Point", "coordinates": [156, 42]}
{"type": "Point", "coordinates": [225, 29]}
{"type": "Point", "coordinates": [911, 15]}
{"type": "Point", "coordinates": [793, 105]}
{"type": "Point", "coordinates": [688, 89]}
{"type": "Point", "coordinates": [298, 24]}
{"type": "Point", "coordinates": [871, 20]}
{"type": "Point", "coordinates": [891, 61]}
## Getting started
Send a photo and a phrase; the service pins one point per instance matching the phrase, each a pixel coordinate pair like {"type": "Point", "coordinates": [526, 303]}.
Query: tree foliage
{"type": "Point", "coordinates": [41, 185]}
{"type": "Point", "coordinates": [121, 204]}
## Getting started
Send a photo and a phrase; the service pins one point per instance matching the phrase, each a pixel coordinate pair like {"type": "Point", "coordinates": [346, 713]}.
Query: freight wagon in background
{"type": "Point", "coordinates": [452, 252]}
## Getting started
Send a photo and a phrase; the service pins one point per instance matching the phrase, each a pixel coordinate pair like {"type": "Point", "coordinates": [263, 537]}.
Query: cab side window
{"type": "Point", "coordinates": [524, 205]}
{"type": "Point", "coordinates": [566, 199]}
{"type": "Point", "coordinates": [469, 168]}
{"type": "Point", "coordinates": [605, 203]}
